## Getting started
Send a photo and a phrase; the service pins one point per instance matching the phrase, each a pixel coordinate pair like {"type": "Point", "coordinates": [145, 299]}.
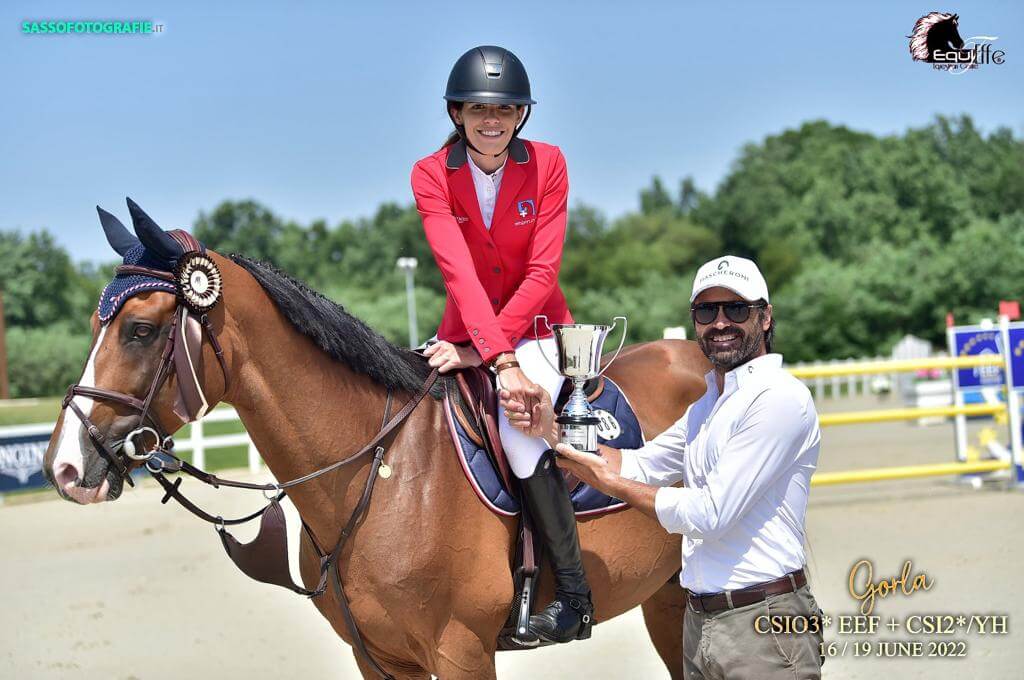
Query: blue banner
{"type": "Point", "coordinates": [21, 461]}
{"type": "Point", "coordinates": [973, 342]}
{"type": "Point", "coordinates": [1017, 356]}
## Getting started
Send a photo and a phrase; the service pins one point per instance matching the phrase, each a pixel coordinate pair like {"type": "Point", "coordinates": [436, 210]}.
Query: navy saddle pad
{"type": "Point", "coordinates": [619, 423]}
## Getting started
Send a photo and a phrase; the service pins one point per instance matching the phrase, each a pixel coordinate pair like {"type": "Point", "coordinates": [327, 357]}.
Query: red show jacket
{"type": "Point", "coordinates": [497, 280]}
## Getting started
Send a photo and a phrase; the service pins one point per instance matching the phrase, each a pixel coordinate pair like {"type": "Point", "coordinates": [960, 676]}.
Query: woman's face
{"type": "Point", "coordinates": [489, 126]}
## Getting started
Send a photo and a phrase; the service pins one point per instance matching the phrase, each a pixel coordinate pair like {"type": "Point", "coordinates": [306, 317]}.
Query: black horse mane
{"type": "Point", "coordinates": [342, 336]}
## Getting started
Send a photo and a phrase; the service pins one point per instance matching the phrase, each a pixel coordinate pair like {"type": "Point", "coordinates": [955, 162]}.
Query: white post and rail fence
{"type": "Point", "coordinates": [986, 360]}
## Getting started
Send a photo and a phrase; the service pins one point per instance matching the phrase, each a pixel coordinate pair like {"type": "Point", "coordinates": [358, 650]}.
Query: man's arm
{"type": "Point", "coordinates": [765, 445]}
{"type": "Point", "coordinates": [660, 461]}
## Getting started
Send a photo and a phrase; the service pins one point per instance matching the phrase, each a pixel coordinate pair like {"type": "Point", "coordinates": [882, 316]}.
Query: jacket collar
{"type": "Point", "coordinates": [461, 181]}
{"type": "Point", "coordinates": [457, 153]}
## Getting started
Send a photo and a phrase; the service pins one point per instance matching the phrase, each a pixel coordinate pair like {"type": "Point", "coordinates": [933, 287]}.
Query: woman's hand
{"type": "Point", "coordinates": [444, 356]}
{"type": "Point", "coordinates": [523, 401]}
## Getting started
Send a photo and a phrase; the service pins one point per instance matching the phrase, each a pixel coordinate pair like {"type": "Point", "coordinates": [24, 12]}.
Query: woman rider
{"type": "Point", "coordinates": [494, 212]}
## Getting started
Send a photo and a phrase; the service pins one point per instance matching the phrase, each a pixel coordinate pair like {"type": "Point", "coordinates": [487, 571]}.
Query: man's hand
{"type": "Point", "coordinates": [602, 473]}
{"type": "Point", "coordinates": [590, 469]}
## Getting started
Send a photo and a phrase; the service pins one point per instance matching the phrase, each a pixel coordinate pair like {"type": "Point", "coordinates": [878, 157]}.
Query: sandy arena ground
{"type": "Point", "coordinates": [136, 590]}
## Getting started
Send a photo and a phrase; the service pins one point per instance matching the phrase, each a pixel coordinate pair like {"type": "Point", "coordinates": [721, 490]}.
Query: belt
{"type": "Point", "coordinates": [731, 599]}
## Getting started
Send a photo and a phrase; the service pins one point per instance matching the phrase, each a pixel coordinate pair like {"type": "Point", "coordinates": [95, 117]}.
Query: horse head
{"type": "Point", "coordinates": [935, 31]}
{"type": "Point", "coordinates": [949, 32]}
{"type": "Point", "coordinates": [149, 370]}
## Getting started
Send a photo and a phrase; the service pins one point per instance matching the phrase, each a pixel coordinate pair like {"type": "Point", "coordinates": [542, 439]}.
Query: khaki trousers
{"type": "Point", "coordinates": [727, 645]}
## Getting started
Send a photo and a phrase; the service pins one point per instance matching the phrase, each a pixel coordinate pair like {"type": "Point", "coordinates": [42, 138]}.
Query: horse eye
{"type": "Point", "coordinates": [143, 330]}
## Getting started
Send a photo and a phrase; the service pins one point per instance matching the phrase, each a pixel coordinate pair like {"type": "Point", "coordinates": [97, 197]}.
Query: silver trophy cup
{"type": "Point", "coordinates": [579, 359]}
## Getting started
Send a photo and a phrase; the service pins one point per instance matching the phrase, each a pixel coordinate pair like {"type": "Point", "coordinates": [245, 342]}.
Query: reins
{"type": "Point", "coordinates": [265, 558]}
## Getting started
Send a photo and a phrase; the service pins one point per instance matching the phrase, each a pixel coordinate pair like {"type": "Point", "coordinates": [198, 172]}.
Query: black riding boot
{"type": "Point", "coordinates": [570, 616]}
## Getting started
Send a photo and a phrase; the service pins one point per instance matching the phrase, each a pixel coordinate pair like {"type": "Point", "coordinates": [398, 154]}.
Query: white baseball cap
{"type": "Point", "coordinates": [738, 274]}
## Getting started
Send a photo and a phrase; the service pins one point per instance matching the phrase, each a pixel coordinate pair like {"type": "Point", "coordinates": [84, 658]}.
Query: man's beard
{"type": "Point", "coordinates": [746, 347]}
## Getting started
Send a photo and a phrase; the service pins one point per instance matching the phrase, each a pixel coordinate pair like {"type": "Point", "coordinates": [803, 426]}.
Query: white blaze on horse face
{"type": "Point", "coordinates": [69, 449]}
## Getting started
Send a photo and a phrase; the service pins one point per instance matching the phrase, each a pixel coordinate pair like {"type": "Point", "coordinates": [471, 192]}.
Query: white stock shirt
{"type": "Point", "coordinates": [487, 187]}
{"type": "Point", "coordinates": [746, 458]}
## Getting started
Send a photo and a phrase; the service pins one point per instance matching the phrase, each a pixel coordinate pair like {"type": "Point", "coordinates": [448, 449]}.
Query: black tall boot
{"type": "Point", "coordinates": [570, 616]}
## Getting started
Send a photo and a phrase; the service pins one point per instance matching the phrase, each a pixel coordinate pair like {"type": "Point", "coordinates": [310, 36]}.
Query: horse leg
{"type": "Point", "coordinates": [399, 672]}
{"type": "Point", "coordinates": [461, 655]}
{"type": "Point", "coordinates": [663, 615]}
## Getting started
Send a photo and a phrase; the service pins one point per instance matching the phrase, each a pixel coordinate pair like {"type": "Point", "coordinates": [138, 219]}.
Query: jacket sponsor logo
{"type": "Point", "coordinates": [460, 219]}
{"type": "Point", "coordinates": [526, 207]}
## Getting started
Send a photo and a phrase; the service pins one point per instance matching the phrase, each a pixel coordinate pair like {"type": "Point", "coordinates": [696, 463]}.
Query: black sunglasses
{"type": "Point", "coordinates": [737, 312]}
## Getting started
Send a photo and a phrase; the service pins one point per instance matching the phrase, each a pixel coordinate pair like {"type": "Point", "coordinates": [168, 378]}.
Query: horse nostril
{"type": "Point", "coordinates": [64, 474]}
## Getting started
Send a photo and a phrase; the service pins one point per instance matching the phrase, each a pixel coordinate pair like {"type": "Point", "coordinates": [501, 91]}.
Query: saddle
{"type": "Point", "coordinates": [471, 407]}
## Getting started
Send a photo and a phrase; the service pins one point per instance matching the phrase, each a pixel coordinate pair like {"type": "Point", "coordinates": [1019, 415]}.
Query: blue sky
{"type": "Point", "coordinates": [319, 109]}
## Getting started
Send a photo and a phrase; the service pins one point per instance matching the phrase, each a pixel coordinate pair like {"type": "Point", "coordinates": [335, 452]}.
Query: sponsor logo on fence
{"type": "Point", "coordinates": [22, 459]}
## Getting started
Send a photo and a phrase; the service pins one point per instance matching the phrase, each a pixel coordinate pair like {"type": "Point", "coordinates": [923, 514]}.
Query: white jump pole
{"type": "Point", "coordinates": [1012, 398]}
{"type": "Point", "coordinates": [960, 421]}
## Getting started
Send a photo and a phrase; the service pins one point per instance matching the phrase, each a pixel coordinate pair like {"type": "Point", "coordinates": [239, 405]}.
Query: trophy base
{"type": "Point", "coordinates": [579, 432]}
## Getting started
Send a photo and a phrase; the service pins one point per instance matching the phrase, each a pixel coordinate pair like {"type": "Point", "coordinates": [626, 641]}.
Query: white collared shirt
{"type": "Point", "coordinates": [746, 458]}
{"type": "Point", "coordinates": [486, 188]}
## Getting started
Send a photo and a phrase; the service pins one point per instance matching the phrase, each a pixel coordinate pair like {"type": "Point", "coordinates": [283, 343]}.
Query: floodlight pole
{"type": "Point", "coordinates": [408, 265]}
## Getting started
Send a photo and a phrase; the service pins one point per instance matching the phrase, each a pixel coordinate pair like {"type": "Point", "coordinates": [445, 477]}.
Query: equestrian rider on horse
{"type": "Point", "coordinates": [494, 212]}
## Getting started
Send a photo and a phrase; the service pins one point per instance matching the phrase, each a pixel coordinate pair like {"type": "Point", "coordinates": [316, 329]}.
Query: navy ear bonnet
{"type": "Point", "coordinates": [153, 248]}
{"type": "Point", "coordinates": [125, 286]}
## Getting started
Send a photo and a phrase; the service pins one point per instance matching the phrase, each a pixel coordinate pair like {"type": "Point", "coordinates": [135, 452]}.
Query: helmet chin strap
{"type": "Point", "coordinates": [461, 129]}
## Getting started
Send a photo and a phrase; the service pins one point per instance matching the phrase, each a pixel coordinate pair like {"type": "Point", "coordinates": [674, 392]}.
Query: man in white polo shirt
{"type": "Point", "coordinates": [744, 452]}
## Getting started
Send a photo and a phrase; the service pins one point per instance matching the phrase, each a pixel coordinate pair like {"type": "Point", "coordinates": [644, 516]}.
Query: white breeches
{"type": "Point", "coordinates": [523, 451]}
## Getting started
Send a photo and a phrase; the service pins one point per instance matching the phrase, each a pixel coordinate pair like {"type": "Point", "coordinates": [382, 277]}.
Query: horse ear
{"type": "Point", "coordinates": [152, 236]}
{"type": "Point", "coordinates": [118, 236]}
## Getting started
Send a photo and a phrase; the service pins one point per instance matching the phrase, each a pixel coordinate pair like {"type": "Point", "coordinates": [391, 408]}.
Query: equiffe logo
{"type": "Point", "coordinates": [526, 208]}
{"type": "Point", "coordinates": [724, 264]}
{"type": "Point", "coordinates": [936, 40]}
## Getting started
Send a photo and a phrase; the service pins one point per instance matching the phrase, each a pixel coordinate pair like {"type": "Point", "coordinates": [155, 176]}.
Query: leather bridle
{"type": "Point", "coordinates": [185, 334]}
{"type": "Point", "coordinates": [261, 558]}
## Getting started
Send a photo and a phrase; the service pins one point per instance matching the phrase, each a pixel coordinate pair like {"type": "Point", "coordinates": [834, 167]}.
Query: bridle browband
{"type": "Point", "coordinates": [260, 559]}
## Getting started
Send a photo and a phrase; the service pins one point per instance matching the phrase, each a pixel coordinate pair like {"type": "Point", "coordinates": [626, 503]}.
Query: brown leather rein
{"type": "Point", "coordinates": [265, 558]}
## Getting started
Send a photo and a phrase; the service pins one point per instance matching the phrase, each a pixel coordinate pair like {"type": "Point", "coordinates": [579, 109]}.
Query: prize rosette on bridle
{"type": "Point", "coordinates": [172, 262]}
{"type": "Point", "coordinates": [199, 282]}
{"type": "Point", "coordinates": [192, 275]}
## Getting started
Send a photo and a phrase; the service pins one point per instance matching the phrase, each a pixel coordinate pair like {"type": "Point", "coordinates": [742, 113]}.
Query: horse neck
{"type": "Point", "coordinates": [304, 411]}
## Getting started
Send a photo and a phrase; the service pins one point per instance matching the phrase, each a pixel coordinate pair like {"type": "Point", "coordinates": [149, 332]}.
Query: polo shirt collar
{"type": "Point", "coordinates": [457, 154]}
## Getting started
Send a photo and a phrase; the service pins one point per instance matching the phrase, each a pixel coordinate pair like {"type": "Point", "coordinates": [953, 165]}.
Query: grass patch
{"type": "Point", "coordinates": [29, 411]}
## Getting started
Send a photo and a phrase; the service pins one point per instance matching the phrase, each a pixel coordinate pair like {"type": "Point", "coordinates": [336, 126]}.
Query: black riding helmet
{"type": "Point", "coordinates": [491, 75]}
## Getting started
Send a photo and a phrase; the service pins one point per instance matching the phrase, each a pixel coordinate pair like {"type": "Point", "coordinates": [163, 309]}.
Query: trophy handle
{"type": "Point", "coordinates": [537, 335]}
{"type": "Point", "coordinates": [622, 341]}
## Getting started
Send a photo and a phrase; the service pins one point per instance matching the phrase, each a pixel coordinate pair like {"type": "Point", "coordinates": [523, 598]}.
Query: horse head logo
{"type": "Point", "coordinates": [936, 31]}
{"type": "Point", "coordinates": [724, 264]}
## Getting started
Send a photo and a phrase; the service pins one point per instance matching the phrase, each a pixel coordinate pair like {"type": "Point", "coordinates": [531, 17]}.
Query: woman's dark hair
{"type": "Point", "coordinates": [454, 135]}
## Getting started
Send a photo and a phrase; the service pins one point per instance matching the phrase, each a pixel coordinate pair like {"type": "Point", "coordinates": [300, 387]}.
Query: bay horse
{"type": "Point", "coordinates": [428, 573]}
